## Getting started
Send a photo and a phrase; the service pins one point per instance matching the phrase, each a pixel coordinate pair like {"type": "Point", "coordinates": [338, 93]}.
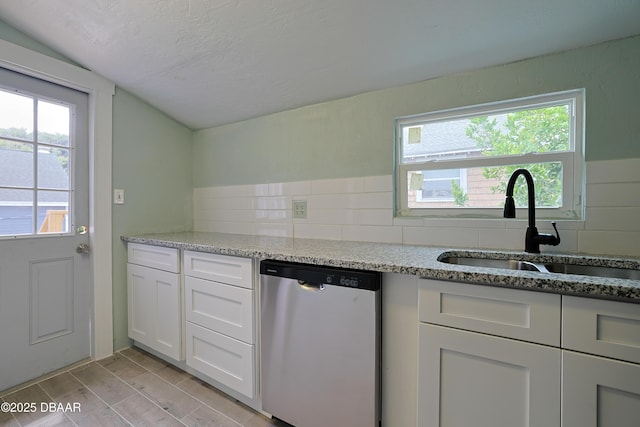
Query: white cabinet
{"type": "Point", "coordinates": [470, 374]}
{"type": "Point", "coordinates": [503, 357]}
{"type": "Point", "coordinates": [599, 392]}
{"type": "Point", "coordinates": [219, 311]}
{"type": "Point", "coordinates": [154, 298]}
{"type": "Point", "coordinates": [601, 389]}
{"type": "Point", "coordinates": [471, 379]}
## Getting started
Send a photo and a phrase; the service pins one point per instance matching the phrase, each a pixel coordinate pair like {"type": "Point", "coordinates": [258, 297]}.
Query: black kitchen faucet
{"type": "Point", "coordinates": [533, 239]}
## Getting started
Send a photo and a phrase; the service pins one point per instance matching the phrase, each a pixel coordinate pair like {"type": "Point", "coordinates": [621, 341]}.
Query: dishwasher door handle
{"type": "Point", "coordinates": [312, 287]}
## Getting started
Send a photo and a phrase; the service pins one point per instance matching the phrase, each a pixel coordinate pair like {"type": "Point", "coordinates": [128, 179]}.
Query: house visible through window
{"type": "Point", "coordinates": [441, 185]}
{"type": "Point", "coordinates": [35, 186]}
{"type": "Point", "coordinates": [457, 162]}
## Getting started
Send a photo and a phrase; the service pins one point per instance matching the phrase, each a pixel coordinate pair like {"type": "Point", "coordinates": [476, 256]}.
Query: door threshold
{"type": "Point", "coordinates": [44, 377]}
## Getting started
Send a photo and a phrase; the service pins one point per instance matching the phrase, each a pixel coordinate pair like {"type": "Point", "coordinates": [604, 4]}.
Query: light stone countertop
{"type": "Point", "coordinates": [407, 259]}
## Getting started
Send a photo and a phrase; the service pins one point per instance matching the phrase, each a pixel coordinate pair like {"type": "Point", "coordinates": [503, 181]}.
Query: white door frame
{"type": "Point", "coordinates": [101, 91]}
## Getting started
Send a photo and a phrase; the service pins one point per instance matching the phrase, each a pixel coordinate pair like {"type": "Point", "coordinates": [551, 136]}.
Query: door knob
{"type": "Point", "coordinates": [82, 248]}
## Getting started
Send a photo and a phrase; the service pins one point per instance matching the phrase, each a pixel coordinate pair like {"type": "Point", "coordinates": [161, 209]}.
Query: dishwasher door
{"type": "Point", "coordinates": [320, 347]}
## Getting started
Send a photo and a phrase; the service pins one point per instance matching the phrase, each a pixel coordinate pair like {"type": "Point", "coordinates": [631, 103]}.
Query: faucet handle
{"type": "Point", "coordinates": [548, 239]}
{"type": "Point", "coordinates": [553, 240]}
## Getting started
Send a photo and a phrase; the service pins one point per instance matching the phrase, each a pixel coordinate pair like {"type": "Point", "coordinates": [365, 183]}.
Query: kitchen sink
{"type": "Point", "coordinates": [543, 267]}
{"type": "Point", "coordinates": [509, 264]}
{"type": "Point", "coordinates": [592, 270]}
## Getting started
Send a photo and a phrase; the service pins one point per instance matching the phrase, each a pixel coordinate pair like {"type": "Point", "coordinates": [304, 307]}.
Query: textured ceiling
{"type": "Point", "coordinates": [209, 62]}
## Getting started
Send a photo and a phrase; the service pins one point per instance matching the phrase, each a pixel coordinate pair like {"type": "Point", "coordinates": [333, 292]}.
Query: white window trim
{"type": "Point", "coordinates": [573, 161]}
{"type": "Point", "coordinates": [101, 91]}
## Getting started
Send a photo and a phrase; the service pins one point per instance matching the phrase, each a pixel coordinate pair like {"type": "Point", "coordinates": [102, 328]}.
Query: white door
{"type": "Point", "coordinates": [599, 392]}
{"type": "Point", "coordinates": [45, 282]}
{"type": "Point", "coordinates": [470, 379]}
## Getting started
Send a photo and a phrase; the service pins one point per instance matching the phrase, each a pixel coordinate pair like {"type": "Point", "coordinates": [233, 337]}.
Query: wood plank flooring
{"type": "Point", "coordinates": [132, 388]}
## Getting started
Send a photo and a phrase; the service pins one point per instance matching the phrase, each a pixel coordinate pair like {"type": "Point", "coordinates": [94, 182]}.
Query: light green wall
{"type": "Point", "coordinates": [10, 34]}
{"type": "Point", "coordinates": [354, 136]}
{"type": "Point", "coordinates": [152, 162]}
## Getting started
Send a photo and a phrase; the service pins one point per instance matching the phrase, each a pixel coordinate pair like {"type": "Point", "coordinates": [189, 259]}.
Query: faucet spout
{"type": "Point", "coordinates": [510, 207]}
{"type": "Point", "coordinates": [533, 239]}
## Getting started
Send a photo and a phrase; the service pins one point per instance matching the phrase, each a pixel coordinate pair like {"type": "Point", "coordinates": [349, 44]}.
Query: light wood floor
{"type": "Point", "coordinates": [132, 388]}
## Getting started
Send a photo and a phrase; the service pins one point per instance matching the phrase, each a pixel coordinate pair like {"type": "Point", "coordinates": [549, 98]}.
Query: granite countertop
{"type": "Point", "coordinates": [420, 261]}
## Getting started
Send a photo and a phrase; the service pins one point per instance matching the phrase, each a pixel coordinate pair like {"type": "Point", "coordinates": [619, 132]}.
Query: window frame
{"type": "Point", "coordinates": [572, 160]}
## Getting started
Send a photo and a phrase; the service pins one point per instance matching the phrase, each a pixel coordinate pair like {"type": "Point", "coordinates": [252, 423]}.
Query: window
{"type": "Point", "coordinates": [35, 185]}
{"type": "Point", "coordinates": [457, 162]}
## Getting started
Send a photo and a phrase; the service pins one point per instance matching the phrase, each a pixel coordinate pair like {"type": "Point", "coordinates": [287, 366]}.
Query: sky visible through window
{"type": "Point", "coordinates": [52, 119]}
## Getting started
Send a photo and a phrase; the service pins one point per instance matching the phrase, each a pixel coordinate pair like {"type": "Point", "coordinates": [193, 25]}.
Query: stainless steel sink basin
{"type": "Point", "coordinates": [591, 270]}
{"type": "Point", "coordinates": [543, 267]}
{"type": "Point", "coordinates": [509, 264]}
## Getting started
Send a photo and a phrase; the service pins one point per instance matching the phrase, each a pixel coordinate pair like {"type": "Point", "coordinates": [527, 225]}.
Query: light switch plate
{"type": "Point", "coordinates": [118, 196]}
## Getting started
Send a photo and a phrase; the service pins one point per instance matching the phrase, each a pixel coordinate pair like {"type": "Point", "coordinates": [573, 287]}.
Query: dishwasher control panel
{"type": "Point", "coordinates": [342, 280]}
{"type": "Point", "coordinates": [335, 276]}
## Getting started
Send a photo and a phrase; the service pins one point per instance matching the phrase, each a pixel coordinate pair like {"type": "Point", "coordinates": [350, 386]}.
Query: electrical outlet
{"type": "Point", "coordinates": [299, 209]}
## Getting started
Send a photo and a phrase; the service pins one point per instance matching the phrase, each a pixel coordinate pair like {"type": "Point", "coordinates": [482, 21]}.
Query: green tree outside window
{"type": "Point", "coordinates": [523, 132]}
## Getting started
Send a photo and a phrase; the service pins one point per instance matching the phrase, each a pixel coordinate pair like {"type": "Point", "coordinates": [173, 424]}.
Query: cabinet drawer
{"type": "Point", "coordinates": [154, 256]}
{"type": "Point", "coordinates": [224, 359]}
{"type": "Point", "coordinates": [512, 313]}
{"type": "Point", "coordinates": [221, 268]}
{"type": "Point", "coordinates": [223, 308]}
{"type": "Point", "coordinates": [605, 328]}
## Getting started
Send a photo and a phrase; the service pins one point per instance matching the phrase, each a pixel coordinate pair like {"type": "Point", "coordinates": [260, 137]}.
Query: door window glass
{"type": "Point", "coordinates": [35, 164]}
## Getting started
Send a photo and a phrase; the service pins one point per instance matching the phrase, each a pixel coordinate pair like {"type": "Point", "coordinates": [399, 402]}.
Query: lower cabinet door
{"type": "Point", "coordinates": [470, 379]}
{"type": "Point", "coordinates": [224, 359]}
{"type": "Point", "coordinates": [154, 309]}
{"type": "Point", "coordinates": [599, 392]}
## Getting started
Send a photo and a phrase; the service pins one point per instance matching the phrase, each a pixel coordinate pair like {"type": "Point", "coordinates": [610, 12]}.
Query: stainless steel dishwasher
{"type": "Point", "coordinates": [320, 344]}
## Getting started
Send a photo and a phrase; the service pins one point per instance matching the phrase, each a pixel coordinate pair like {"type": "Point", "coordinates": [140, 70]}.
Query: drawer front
{"type": "Point", "coordinates": [223, 308]}
{"type": "Point", "coordinates": [511, 313]}
{"type": "Point", "coordinates": [221, 268]}
{"type": "Point", "coordinates": [154, 256]}
{"type": "Point", "coordinates": [605, 328]}
{"type": "Point", "coordinates": [224, 359]}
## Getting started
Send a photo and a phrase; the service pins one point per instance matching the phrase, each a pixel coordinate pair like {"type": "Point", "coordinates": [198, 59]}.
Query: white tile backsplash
{"type": "Point", "coordinates": [609, 171]}
{"type": "Point", "coordinates": [290, 188]}
{"type": "Point", "coordinates": [317, 231]}
{"type": "Point", "coordinates": [376, 184]}
{"type": "Point", "coordinates": [441, 236]}
{"type": "Point", "coordinates": [619, 194]}
{"type": "Point", "coordinates": [613, 218]}
{"type": "Point", "coordinates": [361, 209]}
{"type": "Point", "coordinates": [621, 243]}
{"type": "Point", "coordinates": [372, 233]}
{"type": "Point", "coordinates": [335, 186]}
